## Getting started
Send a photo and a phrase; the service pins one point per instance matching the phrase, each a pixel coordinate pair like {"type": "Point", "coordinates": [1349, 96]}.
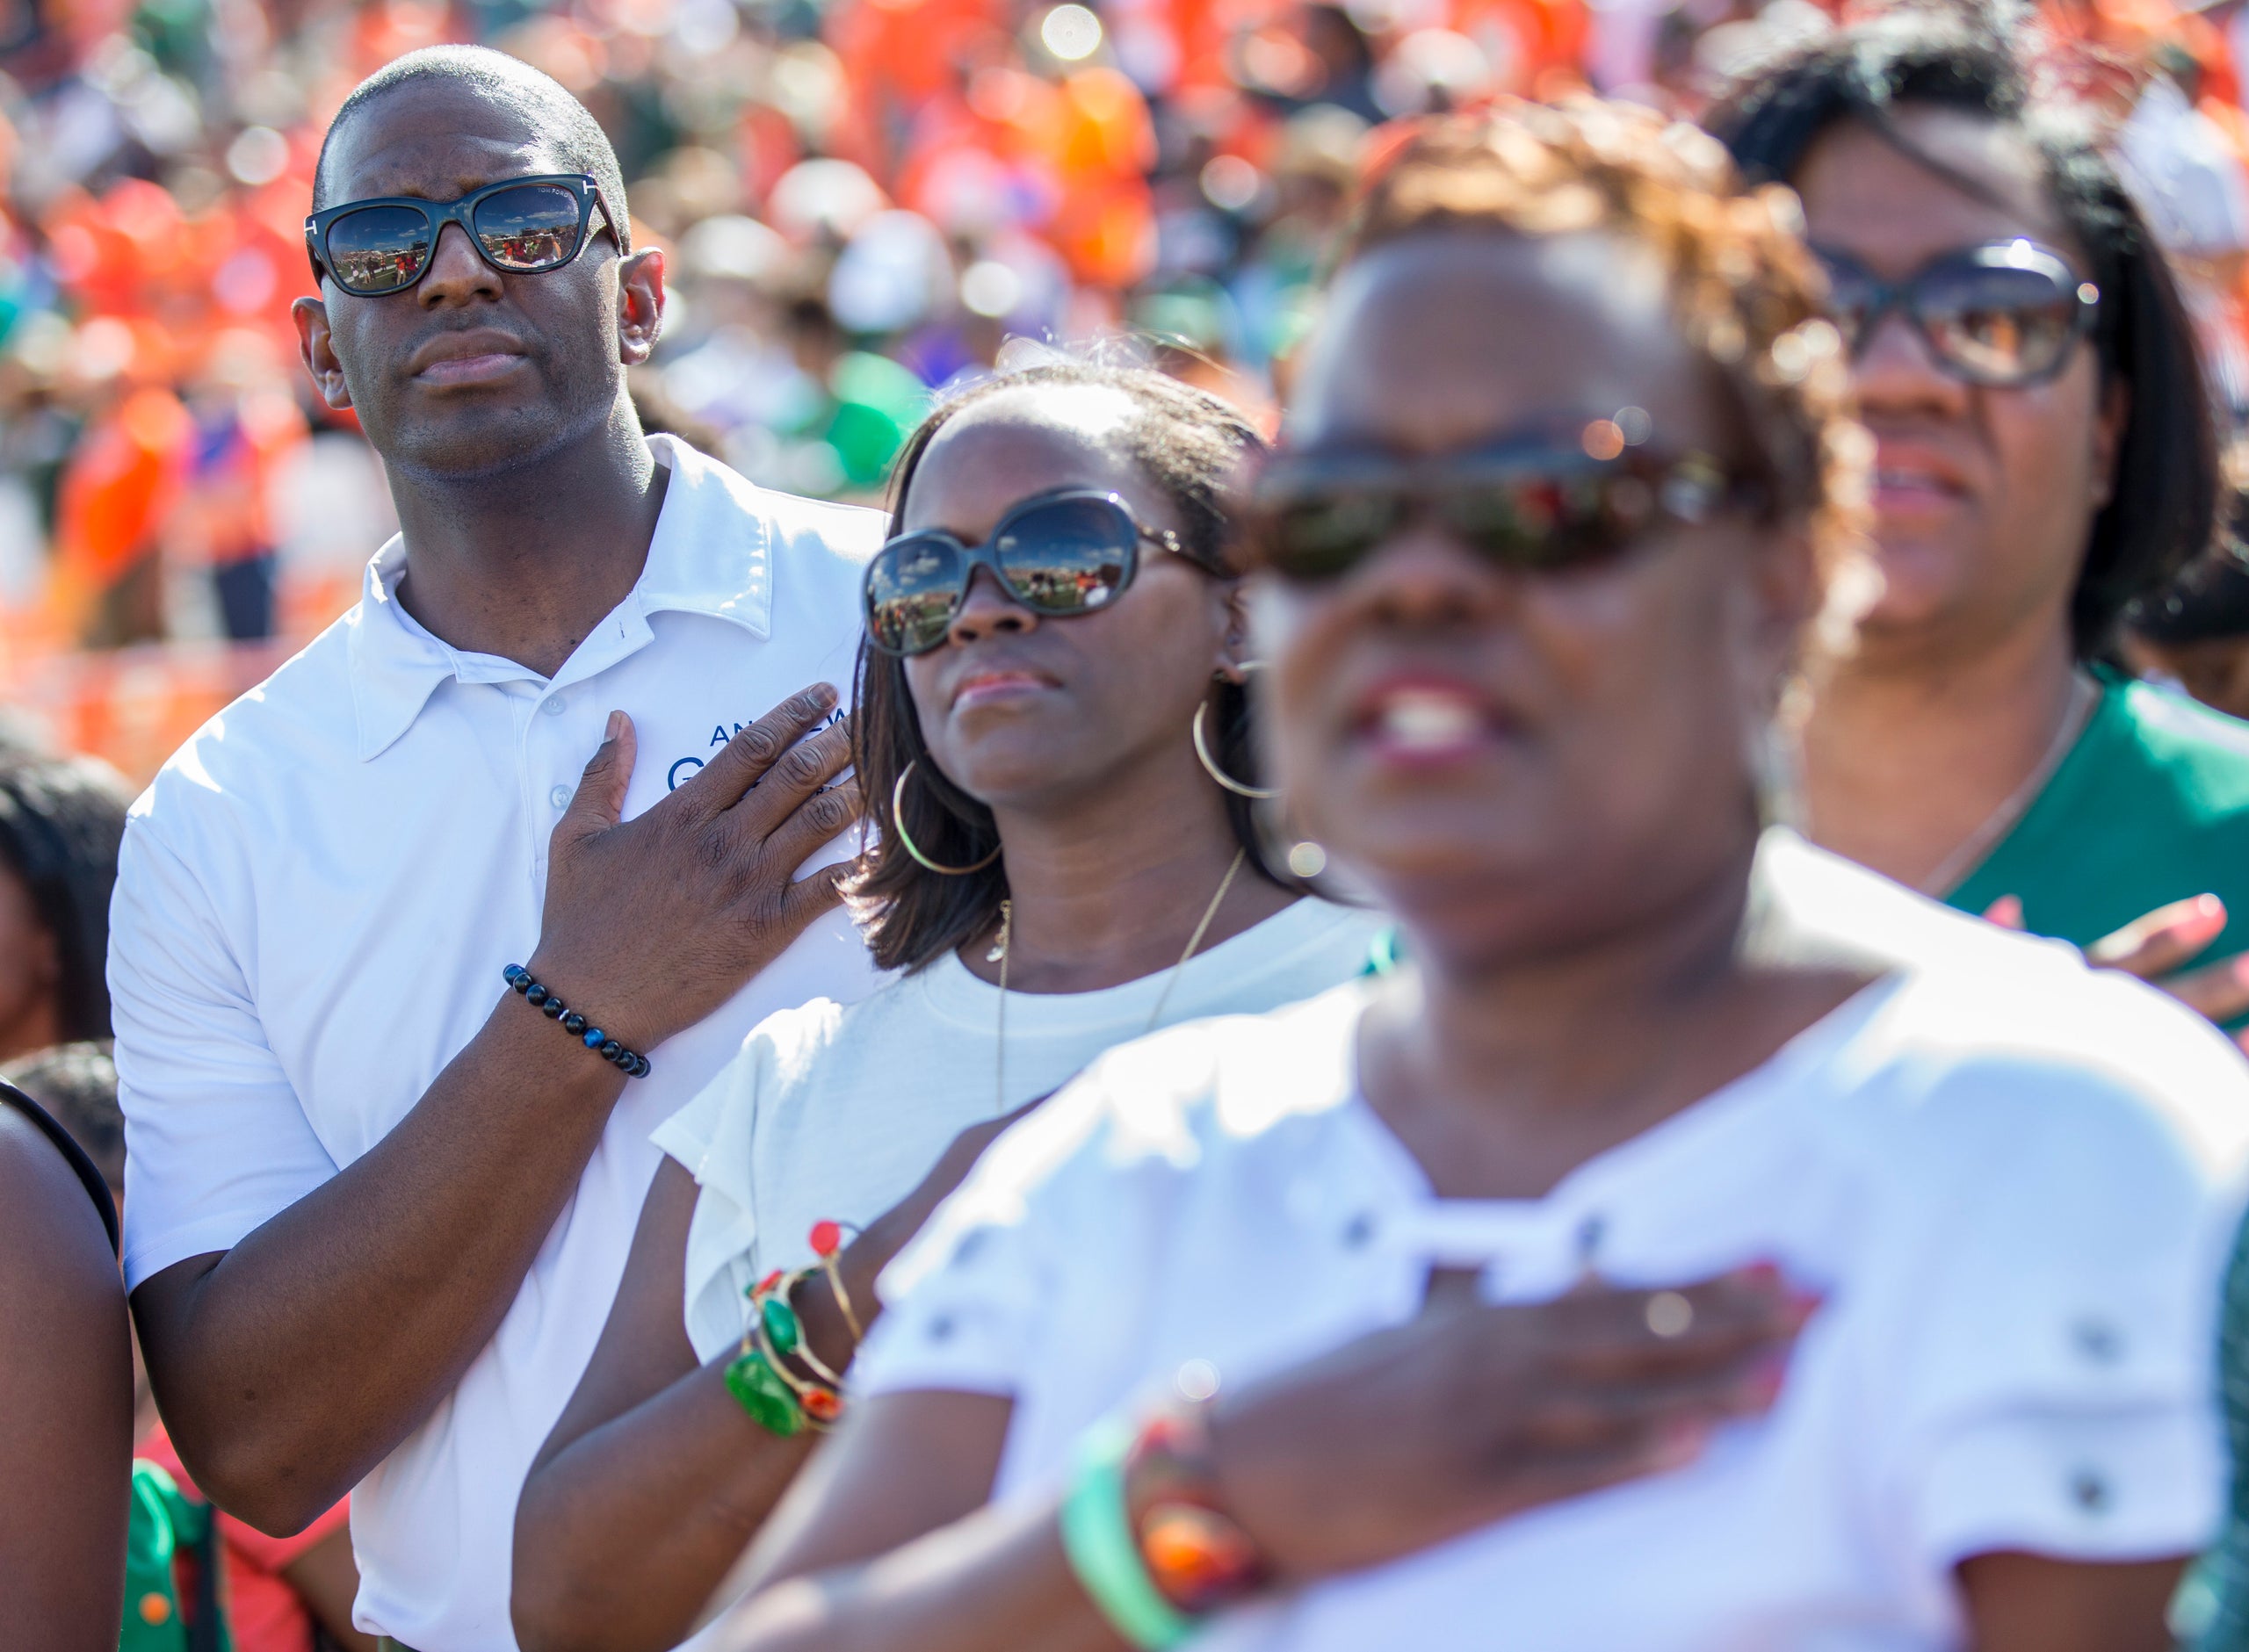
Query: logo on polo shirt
{"type": "Point", "coordinates": [683, 768]}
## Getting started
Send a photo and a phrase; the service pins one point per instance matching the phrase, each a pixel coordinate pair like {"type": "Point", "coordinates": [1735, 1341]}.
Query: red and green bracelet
{"type": "Point", "coordinates": [777, 1397]}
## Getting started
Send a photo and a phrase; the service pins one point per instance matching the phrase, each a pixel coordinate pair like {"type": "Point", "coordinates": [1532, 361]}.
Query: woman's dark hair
{"type": "Point", "coordinates": [2163, 507]}
{"type": "Point", "coordinates": [61, 822]}
{"type": "Point", "coordinates": [1190, 444]}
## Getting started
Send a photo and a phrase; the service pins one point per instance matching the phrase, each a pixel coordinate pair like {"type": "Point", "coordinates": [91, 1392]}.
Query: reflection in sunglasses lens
{"type": "Point", "coordinates": [1319, 538]}
{"type": "Point", "coordinates": [379, 249]}
{"type": "Point", "coordinates": [911, 591]}
{"type": "Point", "coordinates": [534, 228]}
{"type": "Point", "coordinates": [1998, 324]}
{"type": "Point", "coordinates": [1068, 557]}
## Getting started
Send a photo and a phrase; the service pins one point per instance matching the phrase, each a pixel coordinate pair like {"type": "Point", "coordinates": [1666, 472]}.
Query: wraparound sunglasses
{"type": "Point", "coordinates": [2004, 313]}
{"type": "Point", "coordinates": [1531, 506]}
{"type": "Point", "coordinates": [1059, 554]}
{"type": "Point", "coordinates": [519, 226]}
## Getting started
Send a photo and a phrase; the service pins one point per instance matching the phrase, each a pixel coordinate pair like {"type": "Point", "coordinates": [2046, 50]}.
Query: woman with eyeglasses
{"type": "Point", "coordinates": [1569, 476]}
{"type": "Point", "coordinates": [2044, 455]}
{"type": "Point", "coordinates": [1053, 734]}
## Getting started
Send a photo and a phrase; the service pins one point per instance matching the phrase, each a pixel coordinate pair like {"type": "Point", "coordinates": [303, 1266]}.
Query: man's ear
{"type": "Point", "coordinates": [310, 316]}
{"type": "Point", "coordinates": [639, 306]}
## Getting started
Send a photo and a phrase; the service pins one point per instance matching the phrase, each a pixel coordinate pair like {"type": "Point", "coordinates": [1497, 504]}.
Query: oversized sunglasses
{"type": "Point", "coordinates": [2004, 313]}
{"type": "Point", "coordinates": [1535, 507]}
{"type": "Point", "coordinates": [1061, 554]}
{"type": "Point", "coordinates": [519, 226]}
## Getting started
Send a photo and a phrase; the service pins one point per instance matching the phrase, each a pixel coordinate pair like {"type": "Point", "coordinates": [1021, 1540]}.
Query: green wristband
{"type": "Point", "coordinates": [1097, 1537]}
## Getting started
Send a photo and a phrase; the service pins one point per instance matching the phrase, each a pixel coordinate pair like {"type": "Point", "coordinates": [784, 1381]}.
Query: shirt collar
{"type": "Point", "coordinates": [711, 555]}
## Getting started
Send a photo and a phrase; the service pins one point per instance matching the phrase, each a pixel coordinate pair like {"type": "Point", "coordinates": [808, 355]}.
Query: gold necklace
{"type": "Point", "coordinates": [1969, 853]}
{"type": "Point", "coordinates": [998, 955]}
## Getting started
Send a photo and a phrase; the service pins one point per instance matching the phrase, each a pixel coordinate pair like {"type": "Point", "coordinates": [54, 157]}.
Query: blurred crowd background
{"type": "Point", "coordinates": [862, 202]}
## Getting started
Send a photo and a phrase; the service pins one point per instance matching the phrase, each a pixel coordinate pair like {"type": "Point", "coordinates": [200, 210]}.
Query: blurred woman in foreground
{"type": "Point", "coordinates": [1569, 480]}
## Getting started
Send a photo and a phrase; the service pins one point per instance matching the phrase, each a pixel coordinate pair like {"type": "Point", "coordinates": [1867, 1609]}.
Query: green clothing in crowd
{"type": "Point", "coordinates": [171, 1561]}
{"type": "Point", "coordinates": [2151, 806]}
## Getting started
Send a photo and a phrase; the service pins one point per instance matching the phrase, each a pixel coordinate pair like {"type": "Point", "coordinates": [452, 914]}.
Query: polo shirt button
{"type": "Point", "coordinates": [1358, 1233]}
{"type": "Point", "coordinates": [560, 797]}
{"type": "Point", "coordinates": [553, 707]}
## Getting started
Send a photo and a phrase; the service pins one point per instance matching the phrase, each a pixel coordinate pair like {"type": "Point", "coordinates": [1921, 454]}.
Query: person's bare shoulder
{"type": "Point", "coordinates": [55, 1253]}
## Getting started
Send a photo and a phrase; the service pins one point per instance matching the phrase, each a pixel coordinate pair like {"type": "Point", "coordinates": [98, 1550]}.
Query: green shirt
{"type": "Point", "coordinates": [2152, 805]}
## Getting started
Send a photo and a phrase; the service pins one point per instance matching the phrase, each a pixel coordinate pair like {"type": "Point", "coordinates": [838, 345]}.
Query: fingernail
{"type": "Point", "coordinates": [824, 694]}
{"type": "Point", "coordinates": [2209, 906]}
{"type": "Point", "coordinates": [616, 725]}
{"type": "Point", "coordinates": [1767, 1273]}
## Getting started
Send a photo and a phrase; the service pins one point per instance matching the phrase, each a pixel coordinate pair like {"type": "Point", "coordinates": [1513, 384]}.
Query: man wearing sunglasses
{"type": "Point", "coordinates": [380, 1201]}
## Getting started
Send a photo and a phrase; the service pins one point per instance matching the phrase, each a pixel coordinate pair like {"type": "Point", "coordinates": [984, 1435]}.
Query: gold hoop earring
{"type": "Point", "coordinates": [1210, 764]}
{"type": "Point", "coordinates": [906, 839]}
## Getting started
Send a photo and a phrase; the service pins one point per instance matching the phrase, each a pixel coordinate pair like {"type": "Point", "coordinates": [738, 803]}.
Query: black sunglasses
{"type": "Point", "coordinates": [1059, 554]}
{"type": "Point", "coordinates": [1536, 507]}
{"type": "Point", "coordinates": [519, 226]}
{"type": "Point", "coordinates": [2004, 313]}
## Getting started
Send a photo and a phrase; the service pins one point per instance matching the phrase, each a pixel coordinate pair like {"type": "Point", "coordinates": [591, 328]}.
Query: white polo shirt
{"type": "Point", "coordinates": [317, 896]}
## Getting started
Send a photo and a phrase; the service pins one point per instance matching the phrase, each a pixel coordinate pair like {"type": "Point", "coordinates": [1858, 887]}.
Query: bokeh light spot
{"type": "Point", "coordinates": [1071, 33]}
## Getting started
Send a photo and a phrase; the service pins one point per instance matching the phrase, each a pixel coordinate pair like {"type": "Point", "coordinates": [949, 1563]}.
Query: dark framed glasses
{"type": "Point", "coordinates": [1533, 507]}
{"type": "Point", "coordinates": [2004, 313]}
{"type": "Point", "coordinates": [519, 226]}
{"type": "Point", "coordinates": [1061, 554]}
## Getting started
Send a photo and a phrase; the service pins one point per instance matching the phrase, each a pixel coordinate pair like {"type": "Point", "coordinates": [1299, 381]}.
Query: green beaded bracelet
{"type": "Point", "coordinates": [1097, 1537]}
{"type": "Point", "coordinates": [760, 1391]}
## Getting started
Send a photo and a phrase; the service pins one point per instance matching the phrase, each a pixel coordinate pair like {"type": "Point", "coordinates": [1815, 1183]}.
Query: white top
{"type": "Point", "coordinates": [839, 1113]}
{"type": "Point", "coordinates": [2012, 1178]}
{"type": "Point", "coordinates": [316, 899]}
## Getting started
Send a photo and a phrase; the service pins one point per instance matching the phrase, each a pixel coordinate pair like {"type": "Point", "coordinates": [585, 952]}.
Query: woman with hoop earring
{"type": "Point", "coordinates": [1053, 738]}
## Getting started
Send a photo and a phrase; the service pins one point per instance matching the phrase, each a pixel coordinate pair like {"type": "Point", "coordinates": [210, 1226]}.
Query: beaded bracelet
{"type": "Point", "coordinates": [631, 1063]}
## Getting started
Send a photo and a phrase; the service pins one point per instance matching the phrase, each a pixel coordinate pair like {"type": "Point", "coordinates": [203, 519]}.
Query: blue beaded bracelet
{"type": "Point", "coordinates": [630, 1063]}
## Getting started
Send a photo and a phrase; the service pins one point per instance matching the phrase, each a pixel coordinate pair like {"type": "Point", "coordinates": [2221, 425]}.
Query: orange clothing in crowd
{"type": "Point", "coordinates": [122, 476]}
{"type": "Point", "coordinates": [264, 1612]}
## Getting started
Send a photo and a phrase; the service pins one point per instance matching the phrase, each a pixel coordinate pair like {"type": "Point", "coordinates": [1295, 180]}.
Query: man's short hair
{"type": "Point", "coordinates": [545, 104]}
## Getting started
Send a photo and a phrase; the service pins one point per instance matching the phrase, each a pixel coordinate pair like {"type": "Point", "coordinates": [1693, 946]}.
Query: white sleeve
{"type": "Point", "coordinates": [711, 1137]}
{"type": "Point", "coordinates": [2057, 1348]}
{"type": "Point", "coordinates": [217, 1142]}
{"type": "Point", "coordinates": [965, 1302]}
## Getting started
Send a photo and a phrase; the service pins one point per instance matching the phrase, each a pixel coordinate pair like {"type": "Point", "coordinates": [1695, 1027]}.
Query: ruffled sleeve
{"type": "Point", "coordinates": [714, 1137]}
